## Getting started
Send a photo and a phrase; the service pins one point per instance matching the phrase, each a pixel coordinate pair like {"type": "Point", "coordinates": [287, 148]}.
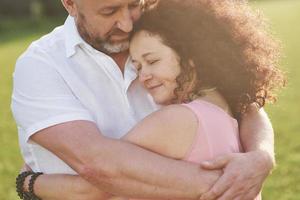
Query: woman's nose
{"type": "Point", "coordinates": [144, 75]}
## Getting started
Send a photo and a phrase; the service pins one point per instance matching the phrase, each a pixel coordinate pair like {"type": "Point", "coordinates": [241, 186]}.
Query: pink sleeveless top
{"type": "Point", "coordinates": [218, 133]}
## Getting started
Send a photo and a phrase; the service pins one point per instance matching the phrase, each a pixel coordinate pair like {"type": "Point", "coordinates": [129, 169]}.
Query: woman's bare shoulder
{"type": "Point", "coordinates": [169, 131]}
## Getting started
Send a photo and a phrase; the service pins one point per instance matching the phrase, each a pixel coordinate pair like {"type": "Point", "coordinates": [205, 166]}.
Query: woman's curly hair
{"type": "Point", "coordinates": [228, 44]}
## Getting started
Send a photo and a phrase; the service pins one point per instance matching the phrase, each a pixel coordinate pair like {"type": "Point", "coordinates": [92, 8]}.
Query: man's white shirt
{"type": "Point", "coordinates": [60, 78]}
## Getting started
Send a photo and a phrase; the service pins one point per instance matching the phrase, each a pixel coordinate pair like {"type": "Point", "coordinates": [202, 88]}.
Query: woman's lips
{"type": "Point", "coordinates": [154, 87]}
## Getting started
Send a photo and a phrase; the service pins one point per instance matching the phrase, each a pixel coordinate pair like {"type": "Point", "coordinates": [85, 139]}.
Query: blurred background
{"type": "Point", "coordinates": [23, 21]}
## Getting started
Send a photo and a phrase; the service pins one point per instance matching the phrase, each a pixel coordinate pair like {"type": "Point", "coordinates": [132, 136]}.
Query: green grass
{"type": "Point", "coordinates": [284, 184]}
{"type": "Point", "coordinates": [15, 36]}
{"type": "Point", "coordinates": [284, 15]}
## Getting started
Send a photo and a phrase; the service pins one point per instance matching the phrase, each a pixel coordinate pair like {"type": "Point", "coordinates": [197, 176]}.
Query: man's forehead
{"type": "Point", "coordinates": [114, 2]}
{"type": "Point", "coordinates": [103, 4]}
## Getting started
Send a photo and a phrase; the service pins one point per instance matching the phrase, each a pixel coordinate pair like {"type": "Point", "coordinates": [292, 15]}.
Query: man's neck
{"type": "Point", "coordinates": [120, 59]}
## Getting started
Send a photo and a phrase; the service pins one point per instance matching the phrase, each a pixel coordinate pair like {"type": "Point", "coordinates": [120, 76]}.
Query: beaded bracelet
{"type": "Point", "coordinates": [20, 183]}
{"type": "Point", "coordinates": [31, 186]}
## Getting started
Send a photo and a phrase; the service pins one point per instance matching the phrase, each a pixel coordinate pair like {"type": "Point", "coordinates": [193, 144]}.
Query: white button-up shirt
{"type": "Point", "coordinates": [61, 78]}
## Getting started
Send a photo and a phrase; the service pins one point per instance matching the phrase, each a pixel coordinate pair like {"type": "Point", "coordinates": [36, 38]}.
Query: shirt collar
{"type": "Point", "coordinates": [73, 40]}
{"type": "Point", "coordinates": [72, 37]}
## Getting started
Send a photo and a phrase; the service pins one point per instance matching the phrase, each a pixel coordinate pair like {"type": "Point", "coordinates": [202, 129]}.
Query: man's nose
{"type": "Point", "coordinates": [125, 22]}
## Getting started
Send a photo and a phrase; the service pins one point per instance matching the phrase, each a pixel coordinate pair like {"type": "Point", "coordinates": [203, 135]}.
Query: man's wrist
{"type": "Point", "coordinates": [26, 183]}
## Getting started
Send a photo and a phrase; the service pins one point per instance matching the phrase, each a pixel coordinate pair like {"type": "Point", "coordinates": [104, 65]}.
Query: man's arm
{"type": "Point", "coordinates": [65, 187]}
{"type": "Point", "coordinates": [121, 168]}
{"type": "Point", "coordinates": [257, 135]}
{"type": "Point", "coordinates": [245, 173]}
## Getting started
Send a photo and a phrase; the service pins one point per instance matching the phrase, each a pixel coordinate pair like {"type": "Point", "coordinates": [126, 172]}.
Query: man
{"type": "Point", "coordinates": [75, 94]}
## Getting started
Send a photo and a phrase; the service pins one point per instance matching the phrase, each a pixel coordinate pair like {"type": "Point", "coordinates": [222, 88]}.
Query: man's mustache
{"type": "Point", "coordinates": [117, 32]}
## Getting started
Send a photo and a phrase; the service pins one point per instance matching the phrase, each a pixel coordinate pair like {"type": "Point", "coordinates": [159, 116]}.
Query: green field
{"type": "Point", "coordinates": [284, 15]}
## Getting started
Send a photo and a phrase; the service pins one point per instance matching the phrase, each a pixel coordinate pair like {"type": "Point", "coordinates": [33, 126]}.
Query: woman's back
{"type": "Point", "coordinates": [217, 132]}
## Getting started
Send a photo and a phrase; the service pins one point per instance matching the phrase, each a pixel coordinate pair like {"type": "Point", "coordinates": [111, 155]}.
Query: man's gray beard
{"type": "Point", "coordinates": [98, 43]}
{"type": "Point", "coordinates": [115, 48]}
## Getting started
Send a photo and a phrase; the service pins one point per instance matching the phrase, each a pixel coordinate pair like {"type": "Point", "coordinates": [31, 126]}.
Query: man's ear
{"type": "Point", "coordinates": [71, 7]}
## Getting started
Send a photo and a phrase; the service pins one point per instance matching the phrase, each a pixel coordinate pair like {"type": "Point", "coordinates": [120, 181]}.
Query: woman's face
{"type": "Point", "coordinates": [157, 66]}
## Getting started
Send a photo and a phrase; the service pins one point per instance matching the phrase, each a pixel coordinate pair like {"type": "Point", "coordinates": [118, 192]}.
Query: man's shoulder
{"type": "Point", "coordinates": [46, 46]}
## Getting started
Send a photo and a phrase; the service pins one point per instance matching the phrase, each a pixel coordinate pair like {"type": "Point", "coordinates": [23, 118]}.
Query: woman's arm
{"type": "Point", "coordinates": [169, 132]}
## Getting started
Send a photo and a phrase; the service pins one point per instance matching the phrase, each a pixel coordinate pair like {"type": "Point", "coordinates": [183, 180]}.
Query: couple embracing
{"type": "Point", "coordinates": [134, 99]}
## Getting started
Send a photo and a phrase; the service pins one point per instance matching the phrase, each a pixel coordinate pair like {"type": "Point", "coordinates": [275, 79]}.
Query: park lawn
{"type": "Point", "coordinates": [284, 184]}
{"type": "Point", "coordinates": [13, 42]}
{"type": "Point", "coordinates": [284, 15]}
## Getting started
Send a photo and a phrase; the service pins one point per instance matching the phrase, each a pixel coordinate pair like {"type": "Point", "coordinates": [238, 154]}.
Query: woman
{"type": "Point", "coordinates": [206, 62]}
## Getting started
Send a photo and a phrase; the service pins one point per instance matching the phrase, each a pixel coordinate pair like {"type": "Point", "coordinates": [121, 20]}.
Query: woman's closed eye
{"type": "Point", "coordinates": [152, 62]}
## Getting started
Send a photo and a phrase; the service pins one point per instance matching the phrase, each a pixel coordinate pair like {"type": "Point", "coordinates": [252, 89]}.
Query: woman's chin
{"type": "Point", "coordinates": [162, 102]}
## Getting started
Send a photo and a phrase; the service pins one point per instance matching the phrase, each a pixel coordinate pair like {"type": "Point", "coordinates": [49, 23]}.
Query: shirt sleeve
{"type": "Point", "coordinates": [41, 98]}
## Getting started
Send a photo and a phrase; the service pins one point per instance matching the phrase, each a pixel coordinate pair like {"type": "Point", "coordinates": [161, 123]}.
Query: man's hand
{"type": "Point", "coordinates": [244, 174]}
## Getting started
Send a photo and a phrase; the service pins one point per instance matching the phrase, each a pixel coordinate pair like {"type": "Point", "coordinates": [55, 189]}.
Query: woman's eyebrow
{"type": "Point", "coordinates": [147, 54]}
